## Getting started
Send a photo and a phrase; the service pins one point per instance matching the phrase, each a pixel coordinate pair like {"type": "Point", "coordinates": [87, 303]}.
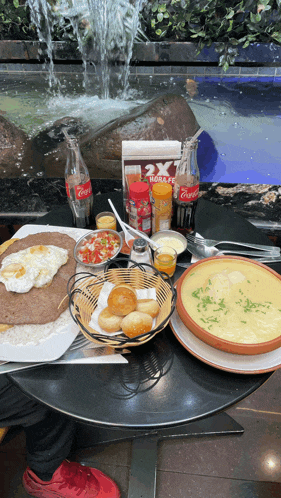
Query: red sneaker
{"type": "Point", "coordinates": [71, 480]}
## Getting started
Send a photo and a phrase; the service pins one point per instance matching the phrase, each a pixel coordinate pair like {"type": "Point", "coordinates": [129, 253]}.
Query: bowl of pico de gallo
{"type": "Point", "coordinates": [97, 247]}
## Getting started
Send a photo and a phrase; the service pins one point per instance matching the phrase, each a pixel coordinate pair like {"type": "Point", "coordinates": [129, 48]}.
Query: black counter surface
{"type": "Point", "coordinates": [22, 199]}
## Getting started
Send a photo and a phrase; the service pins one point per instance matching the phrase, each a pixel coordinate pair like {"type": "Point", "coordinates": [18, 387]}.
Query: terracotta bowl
{"type": "Point", "coordinates": [207, 337]}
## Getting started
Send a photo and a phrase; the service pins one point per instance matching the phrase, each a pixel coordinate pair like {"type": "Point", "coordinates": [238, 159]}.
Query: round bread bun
{"type": "Point", "coordinates": [136, 323]}
{"type": "Point", "coordinates": [122, 300]}
{"type": "Point", "coordinates": [149, 306]}
{"type": "Point", "coordinates": [109, 322]}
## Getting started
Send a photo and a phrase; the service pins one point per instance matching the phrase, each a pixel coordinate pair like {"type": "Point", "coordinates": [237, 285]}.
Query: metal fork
{"type": "Point", "coordinates": [79, 341]}
{"type": "Point", "coordinates": [202, 251]}
{"type": "Point", "coordinates": [273, 250]}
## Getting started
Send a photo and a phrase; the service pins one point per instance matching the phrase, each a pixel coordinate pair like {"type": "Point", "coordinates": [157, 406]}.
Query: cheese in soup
{"type": "Point", "coordinates": [234, 300]}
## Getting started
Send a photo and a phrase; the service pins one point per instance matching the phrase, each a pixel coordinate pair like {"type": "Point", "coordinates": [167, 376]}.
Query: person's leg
{"type": "Point", "coordinates": [48, 443]}
{"type": "Point", "coordinates": [49, 437]}
{"type": "Point", "coordinates": [49, 434]}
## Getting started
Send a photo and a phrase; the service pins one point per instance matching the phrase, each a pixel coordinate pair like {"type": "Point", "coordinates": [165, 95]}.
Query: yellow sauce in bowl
{"type": "Point", "coordinates": [171, 242]}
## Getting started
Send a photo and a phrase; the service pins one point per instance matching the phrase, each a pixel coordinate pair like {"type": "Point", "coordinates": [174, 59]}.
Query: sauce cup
{"type": "Point", "coordinates": [165, 259]}
{"type": "Point", "coordinates": [106, 220]}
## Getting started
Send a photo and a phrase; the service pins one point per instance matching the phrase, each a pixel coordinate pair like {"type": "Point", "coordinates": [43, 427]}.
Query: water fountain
{"type": "Point", "coordinates": [112, 104]}
{"type": "Point", "coordinates": [109, 27]}
{"type": "Point", "coordinates": [105, 110]}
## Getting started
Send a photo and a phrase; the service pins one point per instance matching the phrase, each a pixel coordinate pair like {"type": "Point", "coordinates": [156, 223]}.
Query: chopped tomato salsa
{"type": "Point", "coordinates": [101, 247]}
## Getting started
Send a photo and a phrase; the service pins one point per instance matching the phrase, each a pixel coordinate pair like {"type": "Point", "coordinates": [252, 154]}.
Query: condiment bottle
{"type": "Point", "coordinates": [140, 252]}
{"type": "Point", "coordinates": [140, 207]}
{"type": "Point", "coordinates": [78, 185]}
{"type": "Point", "coordinates": [161, 206]}
{"type": "Point", "coordinates": [186, 188]}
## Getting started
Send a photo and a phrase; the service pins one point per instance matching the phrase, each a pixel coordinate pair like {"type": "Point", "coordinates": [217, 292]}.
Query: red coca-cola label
{"type": "Point", "coordinates": [81, 191]}
{"type": "Point", "coordinates": [188, 194]}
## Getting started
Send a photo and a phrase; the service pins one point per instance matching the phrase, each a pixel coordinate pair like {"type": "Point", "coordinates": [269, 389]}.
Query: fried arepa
{"type": "Point", "coordinates": [39, 305]}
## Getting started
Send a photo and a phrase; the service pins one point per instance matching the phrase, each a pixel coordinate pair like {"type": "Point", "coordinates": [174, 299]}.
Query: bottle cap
{"type": "Point", "coordinates": [139, 245]}
{"type": "Point", "coordinates": [138, 190]}
{"type": "Point", "coordinates": [162, 190]}
{"type": "Point", "coordinates": [72, 143]}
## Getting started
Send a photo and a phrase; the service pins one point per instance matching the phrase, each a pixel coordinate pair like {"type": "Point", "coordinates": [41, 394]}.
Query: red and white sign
{"type": "Point", "coordinates": [188, 194]}
{"type": "Point", "coordinates": [81, 191]}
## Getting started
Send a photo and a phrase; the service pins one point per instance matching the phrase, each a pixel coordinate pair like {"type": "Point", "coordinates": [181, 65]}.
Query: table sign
{"type": "Point", "coordinates": [151, 161]}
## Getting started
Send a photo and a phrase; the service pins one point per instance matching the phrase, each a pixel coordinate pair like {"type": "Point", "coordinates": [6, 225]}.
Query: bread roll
{"type": "Point", "coordinates": [109, 322]}
{"type": "Point", "coordinates": [149, 306]}
{"type": "Point", "coordinates": [136, 323]}
{"type": "Point", "coordinates": [122, 300]}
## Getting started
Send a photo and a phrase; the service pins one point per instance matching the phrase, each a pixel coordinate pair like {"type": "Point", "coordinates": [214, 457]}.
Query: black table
{"type": "Point", "coordinates": [162, 392]}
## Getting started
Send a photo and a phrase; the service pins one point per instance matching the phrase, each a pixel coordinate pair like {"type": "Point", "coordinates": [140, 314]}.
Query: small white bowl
{"type": "Point", "coordinates": [87, 237]}
{"type": "Point", "coordinates": [166, 234]}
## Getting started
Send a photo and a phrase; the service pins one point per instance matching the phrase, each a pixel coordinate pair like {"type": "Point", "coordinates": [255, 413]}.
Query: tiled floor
{"type": "Point", "coordinates": [247, 466]}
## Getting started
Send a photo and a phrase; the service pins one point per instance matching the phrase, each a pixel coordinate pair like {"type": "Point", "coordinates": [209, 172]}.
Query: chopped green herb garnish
{"type": "Point", "coordinates": [197, 292]}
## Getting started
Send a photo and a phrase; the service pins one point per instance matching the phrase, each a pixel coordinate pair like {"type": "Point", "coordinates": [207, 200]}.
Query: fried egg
{"type": "Point", "coordinates": [32, 267]}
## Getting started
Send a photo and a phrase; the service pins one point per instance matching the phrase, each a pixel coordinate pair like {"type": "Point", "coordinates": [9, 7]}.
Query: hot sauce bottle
{"type": "Point", "coordinates": [140, 207]}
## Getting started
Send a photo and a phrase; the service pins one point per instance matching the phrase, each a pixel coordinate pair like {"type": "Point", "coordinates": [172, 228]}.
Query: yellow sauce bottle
{"type": "Point", "coordinates": [161, 206]}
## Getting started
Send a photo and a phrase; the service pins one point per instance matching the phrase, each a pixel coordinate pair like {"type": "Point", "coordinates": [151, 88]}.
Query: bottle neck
{"type": "Point", "coordinates": [75, 165]}
{"type": "Point", "coordinates": [188, 163]}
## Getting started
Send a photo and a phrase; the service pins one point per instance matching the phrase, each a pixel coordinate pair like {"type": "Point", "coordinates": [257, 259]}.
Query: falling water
{"type": "Point", "coordinates": [105, 31]}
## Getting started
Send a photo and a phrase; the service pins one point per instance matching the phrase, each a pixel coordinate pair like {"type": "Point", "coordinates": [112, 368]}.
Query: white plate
{"type": "Point", "coordinates": [62, 335]}
{"type": "Point", "coordinates": [245, 364]}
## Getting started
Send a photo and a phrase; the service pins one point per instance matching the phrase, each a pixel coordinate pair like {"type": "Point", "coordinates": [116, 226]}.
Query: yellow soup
{"type": "Point", "coordinates": [234, 300]}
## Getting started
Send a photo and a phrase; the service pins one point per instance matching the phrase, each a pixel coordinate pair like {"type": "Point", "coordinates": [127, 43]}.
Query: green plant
{"type": "Point", "coordinates": [15, 20]}
{"type": "Point", "coordinates": [229, 22]}
{"type": "Point", "coordinates": [15, 23]}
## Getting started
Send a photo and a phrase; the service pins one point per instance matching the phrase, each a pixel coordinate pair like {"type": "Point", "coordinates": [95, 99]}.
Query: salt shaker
{"type": "Point", "coordinates": [140, 253]}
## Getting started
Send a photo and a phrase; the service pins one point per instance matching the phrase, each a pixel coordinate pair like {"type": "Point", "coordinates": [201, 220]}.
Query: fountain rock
{"type": "Point", "coordinates": [15, 150]}
{"type": "Point", "coordinates": [168, 117]}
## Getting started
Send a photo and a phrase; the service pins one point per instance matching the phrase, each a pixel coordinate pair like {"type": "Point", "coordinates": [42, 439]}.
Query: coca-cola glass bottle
{"type": "Point", "coordinates": [186, 188]}
{"type": "Point", "coordinates": [78, 186]}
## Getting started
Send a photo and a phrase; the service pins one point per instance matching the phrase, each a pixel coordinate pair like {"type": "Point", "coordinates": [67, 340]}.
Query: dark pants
{"type": "Point", "coordinates": [49, 434]}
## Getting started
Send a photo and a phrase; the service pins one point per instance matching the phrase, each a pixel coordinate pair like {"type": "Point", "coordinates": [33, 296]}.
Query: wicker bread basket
{"type": "Point", "coordinates": [84, 290]}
